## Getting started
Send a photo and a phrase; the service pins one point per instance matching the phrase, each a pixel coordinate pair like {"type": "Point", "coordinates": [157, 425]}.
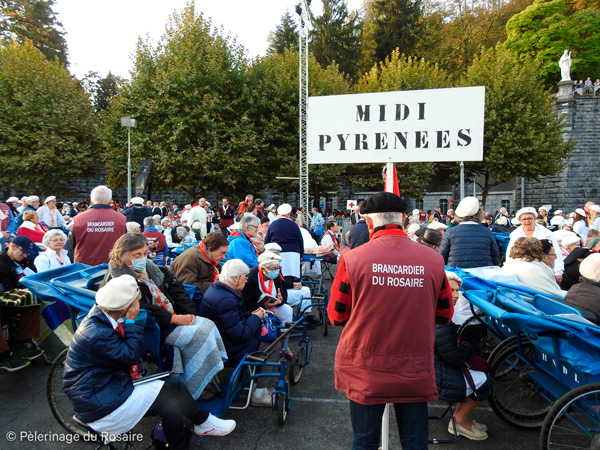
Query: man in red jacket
{"type": "Point", "coordinates": [96, 230]}
{"type": "Point", "coordinates": [388, 294]}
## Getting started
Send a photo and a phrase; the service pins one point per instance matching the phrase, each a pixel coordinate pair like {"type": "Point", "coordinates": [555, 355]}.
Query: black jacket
{"type": "Point", "coordinates": [359, 234]}
{"type": "Point", "coordinates": [137, 213]}
{"type": "Point", "coordinates": [9, 279]}
{"type": "Point", "coordinates": [252, 292]}
{"type": "Point", "coordinates": [449, 356]}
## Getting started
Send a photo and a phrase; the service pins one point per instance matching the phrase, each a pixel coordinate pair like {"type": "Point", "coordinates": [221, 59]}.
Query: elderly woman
{"type": "Point", "coordinates": [50, 214]}
{"type": "Point", "coordinates": [166, 300]}
{"type": "Point", "coordinates": [31, 227]}
{"type": "Point", "coordinates": [526, 217]}
{"type": "Point", "coordinates": [133, 227]}
{"type": "Point", "coordinates": [580, 224]}
{"type": "Point", "coordinates": [240, 241]}
{"type": "Point", "coordinates": [55, 255]}
{"type": "Point", "coordinates": [451, 378]}
{"type": "Point", "coordinates": [586, 294]}
{"type": "Point", "coordinates": [223, 304]}
{"type": "Point", "coordinates": [532, 262]}
{"type": "Point", "coordinates": [469, 244]}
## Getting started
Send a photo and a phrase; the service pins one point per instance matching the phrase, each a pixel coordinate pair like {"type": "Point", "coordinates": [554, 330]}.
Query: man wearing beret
{"type": "Point", "coordinates": [388, 294]}
{"type": "Point", "coordinates": [97, 376]}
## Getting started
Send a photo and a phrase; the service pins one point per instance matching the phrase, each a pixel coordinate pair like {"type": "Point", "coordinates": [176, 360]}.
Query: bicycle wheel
{"type": "Point", "coordinates": [60, 405]}
{"type": "Point", "coordinates": [282, 408]}
{"type": "Point", "coordinates": [574, 420]}
{"type": "Point", "coordinates": [514, 395]}
{"type": "Point", "coordinates": [297, 365]}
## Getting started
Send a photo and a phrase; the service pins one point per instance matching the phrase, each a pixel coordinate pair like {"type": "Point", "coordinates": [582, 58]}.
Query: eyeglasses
{"type": "Point", "coordinates": [57, 240]}
{"type": "Point", "coordinates": [253, 226]}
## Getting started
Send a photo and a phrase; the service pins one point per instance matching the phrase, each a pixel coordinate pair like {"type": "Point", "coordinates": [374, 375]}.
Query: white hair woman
{"type": "Point", "coordinates": [586, 294]}
{"type": "Point", "coordinates": [133, 227]}
{"type": "Point", "coordinates": [222, 303]}
{"type": "Point", "coordinates": [55, 255]}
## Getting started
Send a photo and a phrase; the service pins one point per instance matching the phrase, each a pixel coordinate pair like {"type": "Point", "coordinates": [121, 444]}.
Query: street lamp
{"type": "Point", "coordinates": [129, 123]}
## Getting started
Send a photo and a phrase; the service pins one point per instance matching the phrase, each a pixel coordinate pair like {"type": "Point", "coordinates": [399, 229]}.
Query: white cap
{"type": "Point", "coordinates": [197, 225]}
{"type": "Point", "coordinates": [595, 208]}
{"type": "Point", "coordinates": [268, 258]}
{"type": "Point", "coordinates": [436, 225]}
{"type": "Point", "coordinates": [590, 267]}
{"type": "Point", "coordinates": [137, 200]}
{"type": "Point", "coordinates": [545, 208]}
{"type": "Point", "coordinates": [284, 209]}
{"type": "Point", "coordinates": [570, 240]}
{"type": "Point", "coordinates": [118, 293]}
{"type": "Point", "coordinates": [33, 198]}
{"type": "Point", "coordinates": [526, 210]}
{"type": "Point", "coordinates": [273, 247]}
{"type": "Point", "coordinates": [453, 276]}
{"type": "Point", "coordinates": [416, 212]}
{"type": "Point", "coordinates": [75, 203]}
{"type": "Point", "coordinates": [271, 207]}
{"type": "Point", "coordinates": [468, 206]}
{"type": "Point", "coordinates": [558, 211]}
{"type": "Point", "coordinates": [581, 212]}
{"type": "Point", "coordinates": [49, 198]}
{"type": "Point", "coordinates": [12, 200]}
{"type": "Point", "coordinates": [501, 220]}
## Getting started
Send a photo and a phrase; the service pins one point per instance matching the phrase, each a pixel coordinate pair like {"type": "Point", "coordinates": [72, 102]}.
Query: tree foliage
{"type": "Point", "coordinates": [285, 35]}
{"type": "Point", "coordinates": [48, 132]}
{"type": "Point", "coordinates": [548, 27]}
{"type": "Point", "coordinates": [335, 37]}
{"type": "Point", "coordinates": [523, 135]}
{"type": "Point", "coordinates": [33, 20]}
{"type": "Point", "coordinates": [101, 90]}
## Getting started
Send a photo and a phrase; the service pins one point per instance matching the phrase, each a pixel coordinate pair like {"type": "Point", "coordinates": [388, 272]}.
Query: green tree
{"type": "Point", "coordinates": [285, 35]}
{"type": "Point", "coordinates": [49, 134]}
{"type": "Point", "coordinates": [273, 88]}
{"type": "Point", "coordinates": [523, 135]}
{"type": "Point", "coordinates": [188, 95]}
{"type": "Point", "coordinates": [33, 20]}
{"type": "Point", "coordinates": [335, 37]}
{"type": "Point", "coordinates": [399, 73]}
{"type": "Point", "coordinates": [548, 27]}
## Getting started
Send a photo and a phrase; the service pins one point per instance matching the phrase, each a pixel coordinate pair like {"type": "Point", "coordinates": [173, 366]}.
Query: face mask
{"type": "Point", "coordinates": [139, 264]}
{"type": "Point", "coordinates": [273, 274]}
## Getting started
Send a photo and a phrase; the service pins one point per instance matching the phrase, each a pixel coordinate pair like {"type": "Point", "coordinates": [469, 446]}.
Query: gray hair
{"type": "Point", "coordinates": [133, 227]}
{"type": "Point", "coordinates": [233, 268]}
{"type": "Point", "coordinates": [125, 244]}
{"type": "Point", "coordinates": [148, 222]}
{"type": "Point", "coordinates": [477, 217]}
{"type": "Point", "coordinates": [101, 195]}
{"type": "Point", "coordinates": [384, 218]}
{"type": "Point", "coordinates": [50, 234]}
{"type": "Point", "coordinates": [247, 220]}
{"type": "Point", "coordinates": [181, 232]}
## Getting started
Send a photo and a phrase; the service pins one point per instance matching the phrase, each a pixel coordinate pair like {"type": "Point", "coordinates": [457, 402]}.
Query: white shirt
{"type": "Point", "coordinates": [46, 215]}
{"type": "Point", "coordinates": [581, 228]}
{"type": "Point", "coordinates": [539, 232]}
{"type": "Point", "coordinates": [48, 261]}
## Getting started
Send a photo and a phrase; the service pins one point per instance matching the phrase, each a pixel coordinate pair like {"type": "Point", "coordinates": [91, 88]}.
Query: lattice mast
{"type": "Point", "coordinates": [302, 10]}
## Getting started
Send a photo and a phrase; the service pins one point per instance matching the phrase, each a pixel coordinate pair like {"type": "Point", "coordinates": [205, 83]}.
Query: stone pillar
{"type": "Point", "coordinates": [565, 91]}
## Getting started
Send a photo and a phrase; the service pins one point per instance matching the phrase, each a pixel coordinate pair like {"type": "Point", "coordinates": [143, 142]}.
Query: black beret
{"type": "Point", "coordinates": [383, 202]}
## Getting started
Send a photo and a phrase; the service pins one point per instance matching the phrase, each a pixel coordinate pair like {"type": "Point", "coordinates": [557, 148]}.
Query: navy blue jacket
{"type": "Point", "coordinates": [287, 234]}
{"type": "Point", "coordinates": [137, 213]}
{"type": "Point", "coordinates": [225, 308]}
{"type": "Point", "coordinates": [359, 234]}
{"type": "Point", "coordinates": [469, 245]}
{"type": "Point", "coordinates": [449, 356]}
{"type": "Point", "coordinates": [96, 377]}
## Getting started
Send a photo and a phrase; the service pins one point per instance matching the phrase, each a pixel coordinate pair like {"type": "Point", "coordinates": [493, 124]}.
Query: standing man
{"type": "Point", "coordinates": [226, 216]}
{"type": "Point", "coordinates": [96, 230]}
{"type": "Point", "coordinates": [198, 213]}
{"type": "Point", "coordinates": [244, 206]}
{"type": "Point", "coordinates": [286, 233]}
{"type": "Point", "coordinates": [388, 294]}
{"type": "Point", "coordinates": [258, 207]}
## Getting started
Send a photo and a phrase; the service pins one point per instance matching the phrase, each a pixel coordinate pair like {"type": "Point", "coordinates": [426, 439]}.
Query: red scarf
{"type": "Point", "coordinates": [335, 241]}
{"type": "Point", "coordinates": [390, 229]}
{"type": "Point", "coordinates": [243, 233]}
{"type": "Point", "coordinates": [263, 286]}
{"type": "Point", "coordinates": [203, 250]}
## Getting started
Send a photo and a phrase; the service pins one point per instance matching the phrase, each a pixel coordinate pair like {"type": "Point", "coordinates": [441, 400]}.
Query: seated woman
{"type": "Point", "coordinates": [97, 376]}
{"type": "Point", "coordinates": [55, 255]}
{"type": "Point", "coordinates": [168, 302]}
{"type": "Point", "coordinates": [455, 382]}
{"type": "Point", "coordinates": [532, 263]}
{"type": "Point", "coordinates": [222, 303]}
{"type": "Point", "coordinates": [31, 227]}
{"type": "Point", "coordinates": [240, 241]}
{"type": "Point", "coordinates": [267, 280]}
{"type": "Point", "coordinates": [586, 294]}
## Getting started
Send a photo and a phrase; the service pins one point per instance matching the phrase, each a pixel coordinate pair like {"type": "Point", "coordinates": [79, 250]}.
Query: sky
{"type": "Point", "coordinates": [101, 34]}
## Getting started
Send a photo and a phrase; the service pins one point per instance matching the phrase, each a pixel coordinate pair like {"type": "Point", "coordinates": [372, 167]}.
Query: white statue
{"type": "Point", "coordinates": [565, 66]}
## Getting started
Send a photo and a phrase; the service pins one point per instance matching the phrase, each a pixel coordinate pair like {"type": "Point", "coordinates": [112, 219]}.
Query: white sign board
{"type": "Point", "coordinates": [403, 126]}
{"type": "Point", "coordinates": [351, 204]}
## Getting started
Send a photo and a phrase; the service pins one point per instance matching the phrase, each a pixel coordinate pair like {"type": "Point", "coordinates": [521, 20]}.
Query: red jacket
{"type": "Point", "coordinates": [155, 236]}
{"type": "Point", "coordinates": [388, 294]}
{"type": "Point", "coordinates": [96, 231]}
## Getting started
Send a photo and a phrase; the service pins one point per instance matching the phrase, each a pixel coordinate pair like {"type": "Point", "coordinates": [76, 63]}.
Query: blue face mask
{"type": "Point", "coordinates": [139, 264]}
{"type": "Point", "coordinates": [273, 274]}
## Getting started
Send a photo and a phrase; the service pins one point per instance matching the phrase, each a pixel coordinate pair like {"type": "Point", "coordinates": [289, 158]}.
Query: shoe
{"type": "Point", "coordinates": [13, 364]}
{"type": "Point", "coordinates": [312, 320]}
{"type": "Point", "coordinates": [475, 435]}
{"type": "Point", "coordinates": [27, 350]}
{"type": "Point", "coordinates": [213, 426]}
{"type": "Point", "coordinates": [481, 426]}
{"type": "Point", "coordinates": [264, 400]}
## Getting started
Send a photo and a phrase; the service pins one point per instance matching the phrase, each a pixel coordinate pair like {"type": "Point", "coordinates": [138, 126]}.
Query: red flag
{"type": "Point", "coordinates": [391, 185]}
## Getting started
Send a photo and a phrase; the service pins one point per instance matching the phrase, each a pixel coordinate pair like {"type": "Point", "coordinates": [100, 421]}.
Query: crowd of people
{"type": "Point", "coordinates": [246, 260]}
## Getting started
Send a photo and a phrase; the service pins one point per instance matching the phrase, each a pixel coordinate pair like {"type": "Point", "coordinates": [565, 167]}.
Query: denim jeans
{"type": "Point", "coordinates": [412, 419]}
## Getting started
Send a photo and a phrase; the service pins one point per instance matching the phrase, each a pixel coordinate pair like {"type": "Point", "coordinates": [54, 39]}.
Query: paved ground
{"type": "Point", "coordinates": [319, 418]}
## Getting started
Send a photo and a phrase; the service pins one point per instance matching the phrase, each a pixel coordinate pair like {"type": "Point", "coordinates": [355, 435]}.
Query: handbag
{"type": "Point", "coordinates": [474, 362]}
{"type": "Point", "coordinates": [268, 329]}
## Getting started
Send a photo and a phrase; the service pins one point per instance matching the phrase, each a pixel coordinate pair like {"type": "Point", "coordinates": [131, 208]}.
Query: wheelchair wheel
{"type": "Point", "coordinates": [574, 420]}
{"type": "Point", "coordinates": [297, 365]}
{"type": "Point", "coordinates": [60, 405]}
{"type": "Point", "coordinates": [503, 345]}
{"type": "Point", "coordinates": [282, 408]}
{"type": "Point", "coordinates": [483, 338]}
{"type": "Point", "coordinates": [514, 397]}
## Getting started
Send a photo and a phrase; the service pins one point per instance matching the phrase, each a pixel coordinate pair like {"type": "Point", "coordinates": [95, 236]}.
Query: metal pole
{"type": "Point", "coordinates": [462, 180]}
{"type": "Point", "coordinates": [129, 164]}
{"type": "Point", "coordinates": [302, 11]}
{"type": "Point", "coordinates": [522, 192]}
